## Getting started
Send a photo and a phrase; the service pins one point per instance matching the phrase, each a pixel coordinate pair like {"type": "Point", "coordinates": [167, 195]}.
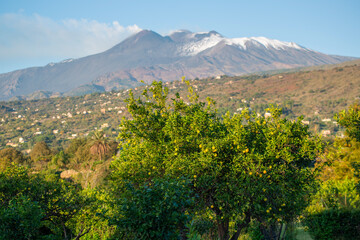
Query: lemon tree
{"type": "Point", "coordinates": [242, 167]}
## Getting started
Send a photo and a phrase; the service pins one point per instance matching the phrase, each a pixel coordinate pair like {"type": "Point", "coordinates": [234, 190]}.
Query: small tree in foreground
{"type": "Point", "coordinates": [242, 167]}
{"type": "Point", "coordinates": [36, 207]}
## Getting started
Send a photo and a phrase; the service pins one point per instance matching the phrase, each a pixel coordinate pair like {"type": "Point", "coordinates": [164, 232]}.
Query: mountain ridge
{"type": "Point", "coordinates": [148, 55]}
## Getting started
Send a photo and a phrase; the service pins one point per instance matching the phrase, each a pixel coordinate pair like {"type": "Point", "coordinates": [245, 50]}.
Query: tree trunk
{"type": "Point", "coordinates": [269, 232]}
{"type": "Point", "coordinates": [223, 229]}
{"type": "Point", "coordinates": [241, 226]}
{"type": "Point", "coordinates": [183, 232]}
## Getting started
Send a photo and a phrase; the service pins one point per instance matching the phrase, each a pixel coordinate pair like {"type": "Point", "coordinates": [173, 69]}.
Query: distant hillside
{"type": "Point", "coordinates": [148, 56]}
{"type": "Point", "coordinates": [316, 94]}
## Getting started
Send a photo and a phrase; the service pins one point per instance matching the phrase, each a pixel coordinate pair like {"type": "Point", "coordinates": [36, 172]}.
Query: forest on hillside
{"type": "Point", "coordinates": [180, 168]}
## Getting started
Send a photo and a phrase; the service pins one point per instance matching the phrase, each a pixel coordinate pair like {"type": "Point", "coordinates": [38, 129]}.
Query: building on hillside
{"type": "Point", "coordinates": [12, 144]}
{"type": "Point", "coordinates": [325, 133]}
{"type": "Point", "coordinates": [267, 114]}
{"type": "Point", "coordinates": [326, 120]}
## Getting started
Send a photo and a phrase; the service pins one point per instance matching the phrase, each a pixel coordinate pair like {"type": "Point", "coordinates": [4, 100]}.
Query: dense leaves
{"type": "Point", "coordinates": [350, 119]}
{"type": "Point", "coordinates": [40, 151]}
{"type": "Point", "coordinates": [335, 206]}
{"type": "Point", "coordinates": [33, 206]}
{"type": "Point", "coordinates": [242, 167]}
{"type": "Point", "coordinates": [157, 210]}
{"type": "Point", "coordinates": [10, 155]}
{"type": "Point", "coordinates": [335, 224]}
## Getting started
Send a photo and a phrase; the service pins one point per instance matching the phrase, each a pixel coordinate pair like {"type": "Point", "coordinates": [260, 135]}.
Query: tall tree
{"type": "Point", "coordinates": [100, 145]}
{"type": "Point", "coordinates": [40, 151]}
{"type": "Point", "coordinates": [242, 167]}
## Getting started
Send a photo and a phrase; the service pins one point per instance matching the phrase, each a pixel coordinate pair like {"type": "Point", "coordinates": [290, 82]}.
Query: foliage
{"type": "Point", "coordinates": [50, 202]}
{"type": "Point", "coordinates": [334, 210]}
{"type": "Point", "coordinates": [94, 218]}
{"type": "Point", "coordinates": [40, 151]}
{"type": "Point", "coordinates": [350, 119]}
{"type": "Point", "coordinates": [243, 166]}
{"type": "Point", "coordinates": [101, 146]}
{"type": "Point", "coordinates": [78, 151]}
{"type": "Point", "coordinates": [335, 194]}
{"type": "Point", "coordinates": [156, 210]}
{"type": "Point", "coordinates": [20, 219]}
{"type": "Point", "coordinates": [339, 160]}
{"type": "Point", "coordinates": [10, 155]}
{"type": "Point", "coordinates": [60, 159]}
{"type": "Point", "coordinates": [334, 224]}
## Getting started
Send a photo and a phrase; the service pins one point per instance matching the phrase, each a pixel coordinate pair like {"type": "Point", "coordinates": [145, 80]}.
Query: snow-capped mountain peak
{"type": "Point", "coordinates": [148, 55]}
{"type": "Point", "coordinates": [190, 44]}
{"type": "Point", "coordinates": [262, 41]}
{"type": "Point", "coordinates": [198, 42]}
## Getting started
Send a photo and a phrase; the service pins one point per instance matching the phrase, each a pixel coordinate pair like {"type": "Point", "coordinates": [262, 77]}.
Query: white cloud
{"type": "Point", "coordinates": [36, 37]}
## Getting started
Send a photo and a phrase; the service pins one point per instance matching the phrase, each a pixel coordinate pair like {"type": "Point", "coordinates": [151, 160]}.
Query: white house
{"type": "Point", "coordinates": [267, 114]}
{"type": "Point", "coordinates": [325, 133]}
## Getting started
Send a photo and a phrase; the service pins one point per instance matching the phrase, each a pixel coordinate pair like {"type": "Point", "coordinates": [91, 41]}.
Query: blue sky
{"type": "Point", "coordinates": [36, 32]}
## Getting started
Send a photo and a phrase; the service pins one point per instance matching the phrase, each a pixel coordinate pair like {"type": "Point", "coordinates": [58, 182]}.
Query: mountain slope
{"type": "Point", "coordinates": [148, 56]}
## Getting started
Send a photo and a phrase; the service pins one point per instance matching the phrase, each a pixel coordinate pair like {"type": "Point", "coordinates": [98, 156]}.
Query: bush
{"type": "Point", "coordinates": [40, 151]}
{"type": "Point", "coordinates": [10, 155]}
{"type": "Point", "coordinates": [334, 224]}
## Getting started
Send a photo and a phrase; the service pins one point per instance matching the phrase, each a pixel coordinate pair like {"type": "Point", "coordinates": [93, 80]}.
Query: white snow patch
{"type": "Point", "coordinates": [196, 44]}
{"type": "Point", "coordinates": [67, 60]}
{"type": "Point", "coordinates": [194, 47]}
{"type": "Point", "coordinates": [262, 41]}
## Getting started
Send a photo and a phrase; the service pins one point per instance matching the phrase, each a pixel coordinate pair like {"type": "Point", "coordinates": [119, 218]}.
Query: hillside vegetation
{"type": "Point", "coordinates": [316, 94]}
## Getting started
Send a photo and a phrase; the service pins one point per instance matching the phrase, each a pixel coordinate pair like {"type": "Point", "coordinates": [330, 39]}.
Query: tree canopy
{"type": "Point", "coordinates": [241, 167]}
{"type": "Point", "coordinates": [10, 155]}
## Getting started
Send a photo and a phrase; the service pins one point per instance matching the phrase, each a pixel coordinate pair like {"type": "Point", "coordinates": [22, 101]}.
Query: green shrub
{"type": "Point", "coordinates": [334, 224]}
